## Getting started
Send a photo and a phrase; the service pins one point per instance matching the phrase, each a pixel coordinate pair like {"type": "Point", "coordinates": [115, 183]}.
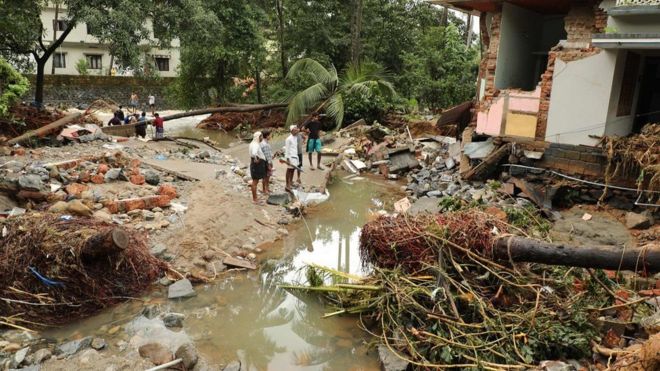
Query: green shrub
{"type": "Point", "coordinates": [12, 86]}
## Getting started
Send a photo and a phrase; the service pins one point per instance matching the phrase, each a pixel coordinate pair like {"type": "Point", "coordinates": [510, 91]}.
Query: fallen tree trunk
{"type": "Point", "coordinates": [520, 249]}
{"type": "Point", "coordinates": [242, 108]}
{"type": "Point", "coordinates": [106, 243]}
{"type": "Point", "coordinates": [44, 130]}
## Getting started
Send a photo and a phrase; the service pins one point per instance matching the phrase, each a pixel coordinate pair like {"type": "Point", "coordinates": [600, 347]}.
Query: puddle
{"type": "Point", "coordinates": [247, 317]}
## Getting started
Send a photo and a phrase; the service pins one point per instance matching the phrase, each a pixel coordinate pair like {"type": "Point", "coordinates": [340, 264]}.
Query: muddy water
{"type": "Point", "coordinates": [245, 316]}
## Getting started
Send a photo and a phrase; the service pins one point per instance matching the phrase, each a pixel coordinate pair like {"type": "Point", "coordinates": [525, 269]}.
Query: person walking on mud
{"type": "Point", "coordinates": [313, 127]}
{"type": "Point", "coordinates": [258, 165]}
{"type": "Point", "coordinates": [291, 156]}
{"type": "Point", "coordinates": [268, 153]}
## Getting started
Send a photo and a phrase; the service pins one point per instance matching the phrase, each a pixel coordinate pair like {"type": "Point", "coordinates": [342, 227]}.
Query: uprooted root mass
{"type": "Point", "coordinates": [72, 284]}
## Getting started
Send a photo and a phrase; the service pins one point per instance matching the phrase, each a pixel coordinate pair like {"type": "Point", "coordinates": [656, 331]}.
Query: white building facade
{"type": "Point", "coordinates": [80, 45]}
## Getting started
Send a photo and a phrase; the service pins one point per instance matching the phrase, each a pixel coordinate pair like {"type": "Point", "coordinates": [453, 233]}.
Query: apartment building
{"type": "Point", "coordinates": [81, 45]}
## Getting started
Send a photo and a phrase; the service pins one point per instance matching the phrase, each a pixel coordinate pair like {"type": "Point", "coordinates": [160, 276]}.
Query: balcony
{"type": "Point", "coordinates": [635, 7]}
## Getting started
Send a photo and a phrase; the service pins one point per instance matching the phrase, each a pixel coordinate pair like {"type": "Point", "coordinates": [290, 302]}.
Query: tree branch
{"type": "Point", "coordinates": [41, 42]}
{"type": "Point", "coordinates": [60, 39]}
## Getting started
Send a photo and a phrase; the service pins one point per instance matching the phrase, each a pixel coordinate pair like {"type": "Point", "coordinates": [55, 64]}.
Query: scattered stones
{"type": "Point", "coordinates": [112, 174]}
{"type": "Point", "coordinates": [637, 221]}
{"type": "Point", "coordinates": [390, 361]}
{"type": "Point", "coordinates": [31, 182]}
{"type": "Point", "coordinates": [98, 343]}
{"type": "Point", "coordinates": [173, 319]}
{"type": "Point", "coordinates": [187, 353]}
{"type": "Point", "coordinates": [40, 355]}
{"type": "Point", "coordinates": [181, 289]}
{"type": "Point", "coordinates": [156, 353]}
{"type": "Point", "coordinates": [73, 347]}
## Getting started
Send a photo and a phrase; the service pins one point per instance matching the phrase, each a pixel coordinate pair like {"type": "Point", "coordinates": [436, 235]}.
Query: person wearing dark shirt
{"type": "Point", "coordinates": [313, 128]}
{"type": "Point", "coordinates": [159, 124]}
{"type": "Point", "coordinates": [120, 114]}
{"type": "Point", "coordinates": [114, 121]}
{"type": "Point", "coordinates": [141, 127]}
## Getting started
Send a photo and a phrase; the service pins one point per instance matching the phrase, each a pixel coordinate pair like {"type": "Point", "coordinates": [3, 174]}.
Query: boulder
{"type": "Point", "coordinates": [187, 353]}
{"type": "Point", "coordinates": [390, 361]}
{"type": "Point", "coordinates": [152, 177]}
{"type": "Point", "coordinates": [31, 182]}
{"type": "Point", "coordinates": [173, 319]}
{"type": "Point", "coordinates": [637, 221]}
{"type": "Point", "coordinates": [73, 347]}
{"type": "Point", "coordinates": [156, 353]}
{"type": "Point", "coordinates": [181, 289]}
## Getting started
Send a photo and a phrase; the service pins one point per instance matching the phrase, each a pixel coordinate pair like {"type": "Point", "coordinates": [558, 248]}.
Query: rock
{"type": "Point", "coordinates": [148, 215]}
{"type": "Point", "coordinates": [156, 353]}
{"type": "Point", "coordinates": [73, 347]}
{"type": "Point", "coordinates": [279, 199]}
{"type": "Point", "coordinates": [97, 179]}
{"type": "Point", "coordinates": [188, 353]}
{"type": "Point", "coordinates": [173, 319]}
{"type": "Point", "coordinates": [556, 366]}
{"type": "Point", "coordinates": [137, 179]}
{"type": "Point", "coordinates": [282, 232]}
{"type": "Point", "coordinates": [11, 347]}
{"type": "Point", "coordinates": [31, 182]}
{"type": "Point", "coordinates": [158, 250]}
{"type": "Point", "coordinates": [114, 330]}
{"type": "Point", "coordinates": [76, 207]}
{"type": "Point", "coordinates": [98, 343]}
{"type": "Point", "coordinates": [233, 366]}
{"type": "Point", "coordinates": [252, 256]}
{"type": "Point", "coordinates": [181, 289]}
{"type": "Point", "coordinates": [41, 355]}
{"type": "Point", "coordinates": [19, 357]}
{"type": "Point", "coordinates": [204, 154]}
{"type": "Point", "coordinates": [165, 281]}
{"type": "Point", "coordinates": [637, 221]}
{"type": "Point", "coordinates": [112, 174]}
{"type": "Point", "coordinates": [151, 311]}
{"type": "Point", "coordinates": [102, 215]}
{"type": "Point", "coordinates": [434, 194]}
{"type": "Point", "coordinates": [389, 361]}
{"type": "Point", "coordinates": [152, 177]}
{"type": "Point", "coordinates": [102, 169]}
{"type": "Point", "coordinates": [60, 207]}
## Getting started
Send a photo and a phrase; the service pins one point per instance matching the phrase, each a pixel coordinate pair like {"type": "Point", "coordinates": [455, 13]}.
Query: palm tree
{"type": "Point", "coordinates": [328, 90]}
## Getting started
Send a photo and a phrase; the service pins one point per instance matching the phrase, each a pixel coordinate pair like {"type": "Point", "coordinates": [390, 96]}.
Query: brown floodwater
{"type": "Point", "coordinates": [247, 317]}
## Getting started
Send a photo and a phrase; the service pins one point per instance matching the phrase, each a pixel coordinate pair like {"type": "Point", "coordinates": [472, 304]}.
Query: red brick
{"type": "Point", "coordinates": [102, 169]}
{"type": "Point", "coordinates": [167, 190]}
{"type": "Point", "coordinates": [20, 151]}
{"type": "Point", "coordinates": [85, 177]}
{"type": "Point", "coordinates": [75, 189]}
{"type": "Point", "coordinates": [137, 179]}
{"type": "Point", "coordinates": [98, 179]}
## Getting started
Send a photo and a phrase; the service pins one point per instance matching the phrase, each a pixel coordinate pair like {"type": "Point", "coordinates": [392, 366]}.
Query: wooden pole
{"type": "Point", "coordinates": [636, 259]}
{"type": "Point", "coordinates": [242, 108]}
{"type": "Point", "coordinates": [44, 130]}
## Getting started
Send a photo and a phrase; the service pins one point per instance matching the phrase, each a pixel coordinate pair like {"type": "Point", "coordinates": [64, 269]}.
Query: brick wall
{"type": "Point", "coordinates": [83, 90]}
{"type": "Point", "coordinates": [580, 23]}
{"type": "Point", "coordinates": [584, 161]}
{"type": "Point", "coordinates": [491, 57]}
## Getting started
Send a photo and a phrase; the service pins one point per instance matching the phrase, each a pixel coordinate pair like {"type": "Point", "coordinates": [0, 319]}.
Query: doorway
{"type": "Point", "coordinates": [648, 108]}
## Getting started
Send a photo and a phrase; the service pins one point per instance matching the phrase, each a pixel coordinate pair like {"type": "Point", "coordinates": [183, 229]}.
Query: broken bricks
{"type": "Point", "coordinates": [126, 205]}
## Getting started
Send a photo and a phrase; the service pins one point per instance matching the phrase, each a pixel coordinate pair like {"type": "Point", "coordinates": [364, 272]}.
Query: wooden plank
{"type": "Point", "coordinates": [240, 263]}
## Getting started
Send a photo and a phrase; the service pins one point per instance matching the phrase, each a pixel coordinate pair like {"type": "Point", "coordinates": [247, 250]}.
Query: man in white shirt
{"type": "Point", "coordinates": [291, 155]}
{"type": "Point", "coordinates": [152, 103]}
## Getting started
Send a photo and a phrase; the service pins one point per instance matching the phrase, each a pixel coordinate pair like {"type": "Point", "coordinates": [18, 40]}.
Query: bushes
{"type": "Point", "coordinates": [12, 86]}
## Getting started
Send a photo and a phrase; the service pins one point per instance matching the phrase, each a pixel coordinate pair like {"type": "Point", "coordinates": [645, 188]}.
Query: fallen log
{"type": "Point", "coordinates": [243, 108]}
{"type": "Point", "coordinates": [636, 259]}
{"type": "Point", "coordinates": [45, 130]}
{"type": "Point", "coordinates": [106, 243]}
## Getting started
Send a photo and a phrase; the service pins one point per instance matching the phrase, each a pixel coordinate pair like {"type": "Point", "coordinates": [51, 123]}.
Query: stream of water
{"type": "Point", "coordinates": [245, 316]}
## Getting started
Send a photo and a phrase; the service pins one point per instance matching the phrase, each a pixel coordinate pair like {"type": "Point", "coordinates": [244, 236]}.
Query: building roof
{"type": "Point", "coordinates": [541, 6]}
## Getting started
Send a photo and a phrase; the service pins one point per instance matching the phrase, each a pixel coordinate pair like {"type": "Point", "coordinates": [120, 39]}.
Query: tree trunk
{"type": "Point", "coordinates": [112, 62]}
{"type": "Point", "coordinates": [469, 30]}
{"type": "Point", "coordinates": [356, 30]}
{"type": "Point", "coordinates": [57, 9]}
{"type": "Point", "coordinates": [257, 77]}
{"type": "Point", "coordinates": [39, 84]}
{"type": "Point", "coordinates": [445, 16]}
{"type": "Point", "coordinates": [244, 108]}
{"type": "Point", "coordinates": [44, 130]}
{"type": "Point", "coordinates": [520, 249]}
{"type": "Point", "coordinates": [103, 244]}
{"type": "Point", "coordinates": [280, 36]}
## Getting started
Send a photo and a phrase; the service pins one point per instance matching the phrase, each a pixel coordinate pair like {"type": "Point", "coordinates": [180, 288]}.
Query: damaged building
{"type": "Point", "coordinates": [567, 71]}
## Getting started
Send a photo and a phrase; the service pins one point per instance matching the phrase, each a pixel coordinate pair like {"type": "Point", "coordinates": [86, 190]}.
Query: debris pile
{"type": "Point", "coordinates": [229, 121]}
{"type": "Point", "coordinates": [28, 117]}
{"type": "Point", "coordinates": [54, 269]}
{"type": "Point", "coordinates": [440, 300]}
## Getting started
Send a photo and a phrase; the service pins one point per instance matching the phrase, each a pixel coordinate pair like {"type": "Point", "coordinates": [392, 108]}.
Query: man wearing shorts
{"type": "Point", "coordinates": [313, 127]}
{"type": "Point", "coordinates": [301, 143]}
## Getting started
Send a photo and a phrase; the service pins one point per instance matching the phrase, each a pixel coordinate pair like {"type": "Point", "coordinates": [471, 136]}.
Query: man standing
{"type": "Point", "coordinates": [134, 101]}
{"type": "Point", "coordinates": [268, 154]}
{"type": "Point", "coordinates": [141, 127]}
{"type": "Point", "coordinates": [301, 143]}
{"type": "Point", "coordinates": [314, 144]}
{"type": "Point", "coordinates": [152, 102]}
{"type": "Point", "coordinates": [291, 155]}
{"type": "Point", "coordinates": [257, 165]}
{"type": "Point", "coordinates": [120, 114]}
{"type": "Point", "coordinates": [114, 121]}
{"type": "Point", "coordinates": [159, 123]}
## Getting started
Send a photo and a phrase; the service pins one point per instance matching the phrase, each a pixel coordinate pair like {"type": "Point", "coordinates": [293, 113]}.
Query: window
{"type": "Point", "coordinates": [94, 61]}
{"type": "Point", "coordinates": [162, 63]}
{"type": "Point", "coordinates": [60, 25]}
{"type": "Point", "coordinates": [628, 85]}
{"type": "Point", "coordinates": [59, 60]}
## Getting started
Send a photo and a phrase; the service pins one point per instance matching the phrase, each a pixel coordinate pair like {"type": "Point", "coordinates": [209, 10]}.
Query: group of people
{"type": "Point", "coordinates": [261, 155]}
{"type": "Point", "coordinates": [140, 121]}
{"type": "Point", "coordinates": [134, 102]}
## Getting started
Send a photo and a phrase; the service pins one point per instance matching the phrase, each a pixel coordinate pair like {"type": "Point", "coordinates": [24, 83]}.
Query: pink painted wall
{"type": "Point", "coordinates": [490, 121]}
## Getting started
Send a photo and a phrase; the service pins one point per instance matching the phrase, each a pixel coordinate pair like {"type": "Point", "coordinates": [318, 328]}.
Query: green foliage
{"type": "Point", "coordinates": [449, 204]}
{"type": "Point", "coordinates": [12, 86]}
{"type": "Point", "coordinates": [528, 219]}
{"type": "Point", "coordinates": [81, 67]}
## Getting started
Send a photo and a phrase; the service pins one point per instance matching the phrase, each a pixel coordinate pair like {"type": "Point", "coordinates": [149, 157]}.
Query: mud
{"type": "Point", "coordinates": [603, 229]}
